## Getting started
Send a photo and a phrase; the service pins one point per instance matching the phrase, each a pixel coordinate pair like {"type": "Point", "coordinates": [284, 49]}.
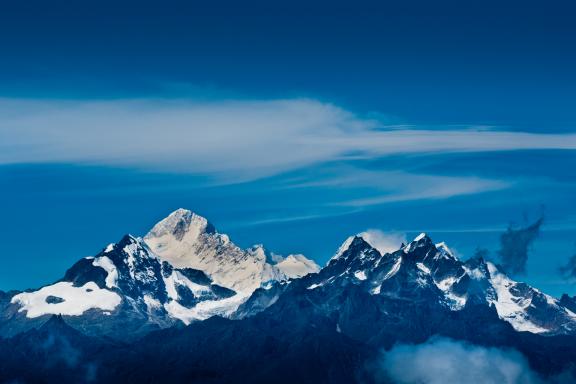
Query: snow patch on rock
{"type": "Point", "coordinates": [105, 263]}
{"type": "Point", "coordinates": [205, 309]}
{"type": "Point", "coordinates": [509, 307]}
{"type": "Point", "coordinates": [70, 300]}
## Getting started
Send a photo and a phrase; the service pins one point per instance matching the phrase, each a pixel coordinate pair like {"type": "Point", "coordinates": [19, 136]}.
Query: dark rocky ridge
{"type": "Point", "coordinates": [325, 327]}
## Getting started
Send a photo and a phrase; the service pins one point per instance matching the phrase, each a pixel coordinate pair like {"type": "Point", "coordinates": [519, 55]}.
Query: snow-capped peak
{"type": "Point", "coordinates": [343, 248]}
{"type": "Point", "coordinates": [419, 241]}
{"type": "Point", "coordinates": [187, 240]}
{"type": "Point", "coordinates": [420, 237]}
{"type": "Point", "coordinates": [434, 267]}
{"type": "Point", "coordinates": [185, 270]}
{"type": "Point", "coordinates": [179, 223]}
{"type": "Point", "coordinates": [381, 241]}
{"type": "Point", "coordinates": [294, 266]}
{"type": "Point", "coordinates": [445, 251]}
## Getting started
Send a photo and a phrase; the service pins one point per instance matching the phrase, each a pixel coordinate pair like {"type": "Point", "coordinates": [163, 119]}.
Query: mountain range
{"type": "Point", "coordinates": [185, 304]}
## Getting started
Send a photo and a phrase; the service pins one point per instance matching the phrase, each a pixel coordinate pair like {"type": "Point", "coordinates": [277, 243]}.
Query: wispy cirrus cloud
{"type": "Point", "coordinates": [385, 186]}
{"type": "Point", "coordinates": [232, 141]}
{"type": "Point", "coordinates": [392, 187]}
{"type": "Point", "coordinates": [230, 138]}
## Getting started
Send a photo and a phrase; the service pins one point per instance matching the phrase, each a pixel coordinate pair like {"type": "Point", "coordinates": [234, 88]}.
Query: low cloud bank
{"type": "Point", "coordinates": [446, 361]}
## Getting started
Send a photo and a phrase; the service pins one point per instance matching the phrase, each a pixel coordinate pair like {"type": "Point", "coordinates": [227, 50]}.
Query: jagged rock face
{"type": "Point", "coordinates": [187, 240]}
{"type": "Point", "coordinates": [185, 271]}
{"type": "Point", "coordinates": [128, 289]}
{"type": "Point", "coordinates": [568, 302]}
{"type": "Point", "coordinates": [126, 284]}
{"type": "Point", "coordinates": [131, 268]}
{"type": "Point", "coordinates": [428, 273]}
{"type": "Point", "coordinates": [261, 299]}
{"type": "Point", "coordinates": [408, 273]}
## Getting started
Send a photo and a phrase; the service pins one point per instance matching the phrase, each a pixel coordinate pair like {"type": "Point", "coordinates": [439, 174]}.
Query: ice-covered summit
{"type": "Point", "coordinates": [187, 240]}
{"type": "Point", "coordinates": [179, 224]}
{"type": "Point", "coordinates": [182, 270]}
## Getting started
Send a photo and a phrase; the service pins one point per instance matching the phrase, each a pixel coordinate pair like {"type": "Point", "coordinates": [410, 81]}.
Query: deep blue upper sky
{"type": "Point", "coordinates": [71, 185]}
{"type": "Point", "coordinates": [446, 62]}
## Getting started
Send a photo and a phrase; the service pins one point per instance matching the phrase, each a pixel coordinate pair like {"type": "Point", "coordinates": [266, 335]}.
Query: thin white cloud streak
{"type": "Point", "coordinates": [468, 140]}
{"type": "Point", "coordinates": [232, 139]}
{"type": "Point", "coordinates": [430, 188]}
{"type": "Point", "coordinates": [291, 219]}
{"type": "Point", "coordinates": [397, 186]}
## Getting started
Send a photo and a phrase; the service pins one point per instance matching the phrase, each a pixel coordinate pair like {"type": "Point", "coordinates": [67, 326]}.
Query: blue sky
{"type": "Point", "coordinates": [289, 124]}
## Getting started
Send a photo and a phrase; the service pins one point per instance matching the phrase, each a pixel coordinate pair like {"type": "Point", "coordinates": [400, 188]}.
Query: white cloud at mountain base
{"type": "Point", "coordinates": [447, 361]}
